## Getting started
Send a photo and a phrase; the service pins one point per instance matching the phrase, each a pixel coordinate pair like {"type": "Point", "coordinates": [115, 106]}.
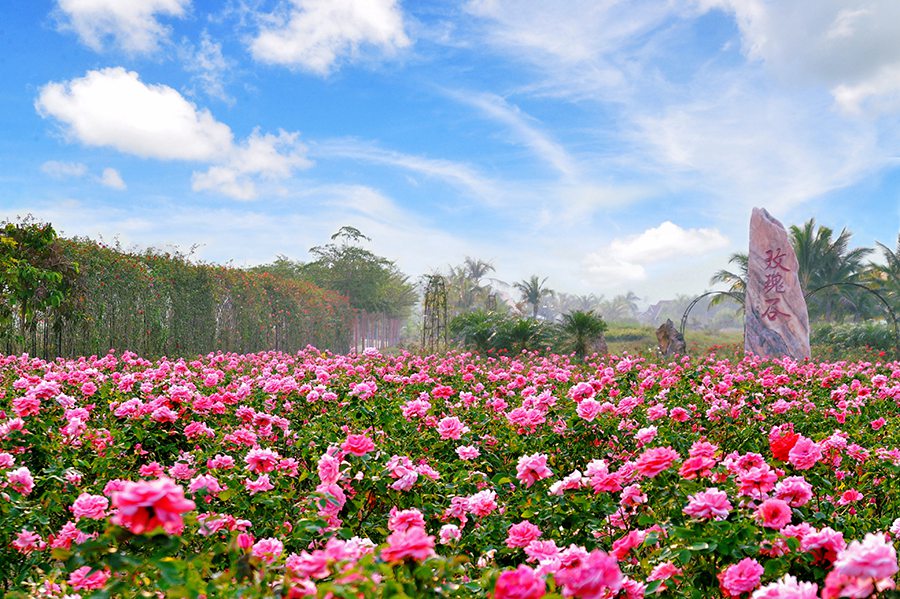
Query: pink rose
{"type": "Point", "coordinates": [774, 513]}
{"type": "Point", "coordinates": [145, 506]}
{"type": "Point", "coordinates": [532, 468]}
{"type": "Point", "coordinates": [741, 577]}
{"type": "Point", "coordinates": [358, 445]}
{"type": "Point", "coordinates": [267, 550]}
{"type": "Point", "coordinates": [413, 543]}
{"type": "Point", "coordinates": [874, 557]}
{"type": "Point", "coordinates": [804, 454]}
{"type": "Point", "coordinates": [521, 583]}
{"type": "Point", "coordinates": [521, 534]}
{"type": "Point", "coordinates": [711, 504]}
{"type": "Point", "coordinates": [92, 507]}
{"type": "Point", "coordinates": [656, 460]}
{"type": "Point", "coordinates": [592, 577]}
{"type": "Point", "coordinates": [85, 579]}
{"type": "Point", "coordinates": [451, 427]}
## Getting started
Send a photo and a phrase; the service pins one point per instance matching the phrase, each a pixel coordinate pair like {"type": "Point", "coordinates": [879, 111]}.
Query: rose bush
{"type": "Point", "coordinates": [455, 475]}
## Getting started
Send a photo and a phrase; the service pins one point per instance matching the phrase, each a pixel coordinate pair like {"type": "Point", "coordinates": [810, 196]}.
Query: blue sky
{"type": "Point", "coordinates": [611, 146]}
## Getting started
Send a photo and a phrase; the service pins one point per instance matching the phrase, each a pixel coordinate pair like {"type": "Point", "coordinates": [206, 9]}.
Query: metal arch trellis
{"type": "Point", "coordinates": [434, 326]}
{"type": "Point", "coordinates": [884, 302]}
{"type": "Point", "coordinates": [733, 295]}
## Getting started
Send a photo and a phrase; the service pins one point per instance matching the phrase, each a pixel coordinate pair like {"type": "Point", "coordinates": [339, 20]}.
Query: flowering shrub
{"type": "Point", "coordinates": [313, 474]}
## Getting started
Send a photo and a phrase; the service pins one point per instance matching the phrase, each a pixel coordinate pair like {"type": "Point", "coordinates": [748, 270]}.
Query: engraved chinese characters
{"type": "Point", "coordinates": [776, 322]}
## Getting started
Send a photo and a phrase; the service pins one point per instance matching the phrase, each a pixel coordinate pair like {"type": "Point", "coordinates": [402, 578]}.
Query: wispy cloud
{"type": "Point", "coordinates": [524, 128]}
{"type": "Point", "coordinates": [456, 174]}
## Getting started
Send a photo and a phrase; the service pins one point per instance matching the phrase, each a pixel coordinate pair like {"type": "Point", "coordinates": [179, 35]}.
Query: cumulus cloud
{"type": "Point", "coordinates": [314, 35]}
{"type": "Point", "coordinates": [61, 170]}
{"type": "Point", "coordinates": [131, 25]}
{"type": "Point", "coordinates": [114, 108]}
{"type": "Point", "coordinates": [627, 259]}
{"type": "Point", "coordinates": [112, 179]}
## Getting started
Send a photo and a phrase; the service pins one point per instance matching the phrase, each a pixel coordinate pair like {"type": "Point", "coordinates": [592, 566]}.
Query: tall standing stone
{"type": "Point", "coordinates": [776, 321]}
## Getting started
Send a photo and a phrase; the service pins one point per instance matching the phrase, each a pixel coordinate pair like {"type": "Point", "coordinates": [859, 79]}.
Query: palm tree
{"type": "Point", "coordinates": [533, 291]}
{"type": "Point", "coordinates": [888, 274]}
{"type": "Point", "coordinates": [736, 280]}
{"type": "Point", "coordinates": [579, 329]}
{"type": "Point", "coordinates": [828, 264]}
{"type": "Point", "coordinates": [621, 308]}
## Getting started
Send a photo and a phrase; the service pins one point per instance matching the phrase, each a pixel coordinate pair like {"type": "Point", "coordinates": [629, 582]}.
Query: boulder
{"type": "Point", "coordinates": [671, 342]}
{"type": "Point", "coordinates": [776, 321]}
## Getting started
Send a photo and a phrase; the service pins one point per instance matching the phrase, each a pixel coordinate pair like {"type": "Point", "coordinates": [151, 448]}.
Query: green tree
{"type": "Point", "coordinates": [827, 261]}
{"type": "Point", "coordinates": [533, 292]}
{"type": "Point", "coordinates": [579, 330]}
{"type": "Point", "coordinates": [887, 276]}
{"type": "Point", "coordinates": [369, 282]}
{"type": "Point", "coordinates": [35, 275]}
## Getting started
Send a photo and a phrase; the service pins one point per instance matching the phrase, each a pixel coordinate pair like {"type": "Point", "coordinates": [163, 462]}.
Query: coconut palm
{"type": "Point", "coordinates": [887, 275]}
{"type": "Point", "coordinates": [579, 330]}
{"type": "Point", "coordinates": [830, 265]}
{"type": "Point", "coordinates": [533, 291]}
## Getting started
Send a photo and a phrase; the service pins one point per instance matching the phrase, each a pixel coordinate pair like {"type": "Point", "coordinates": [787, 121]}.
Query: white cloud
{"type": "Point", "coordinates": [314, 35]}
{"type": "Point", "coordinates": [849, 47]}
{"type": "Point", "coordinates": [61, 170]}
{"type": "Point", "coordinates": [523, 127]}
{"type": "Point", "coordinates": [112, 179]}
{"type": "Point", "coordinates": [209, 67]}
{"type": "Point", "coordinates": [130, 24]}
{"type": "Point", "coordinates": [459, 175]}
{"type": "Point", "coordinates": [114, 108]}
{"type": "Point", "coordinates": [627, 259]}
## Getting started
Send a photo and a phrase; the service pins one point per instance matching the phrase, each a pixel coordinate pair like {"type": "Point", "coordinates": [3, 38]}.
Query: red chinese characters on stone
{"type": "Point", "coordinates": [774, 258]}
{"type": "Point", "coordinates": [774, 283]}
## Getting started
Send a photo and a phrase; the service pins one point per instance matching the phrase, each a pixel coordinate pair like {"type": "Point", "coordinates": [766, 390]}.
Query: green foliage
{"type": "Point", "coordinates": [834, 340]}
{"type": "Point", "coordinates": [35, 275]}
{"type": "Point", "coordinates": [485, 331]}
{"type": "Point", "coordinates": [161, 303]}
{"type": "Point", "coordinates": [368, 281]}
{"type": "Point", "coordinates": [579, 331]}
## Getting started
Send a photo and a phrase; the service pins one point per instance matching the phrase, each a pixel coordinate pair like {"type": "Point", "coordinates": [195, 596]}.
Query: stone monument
{"type": "Point", "coordinates": [671, 342]}
{"type": "Point", "coordinates": [776, 322]}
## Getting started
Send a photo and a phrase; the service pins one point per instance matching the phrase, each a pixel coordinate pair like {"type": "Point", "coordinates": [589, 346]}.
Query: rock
{"type": "Point", "coordinates": [671, 342]}
{"type": "Point", "coordinates": [776, 322]}
{"type": "Point", "coordinates": [599, 346]}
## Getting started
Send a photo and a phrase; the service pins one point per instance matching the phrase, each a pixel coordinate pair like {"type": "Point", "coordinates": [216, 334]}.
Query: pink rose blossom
{"type": "Point", "coordinates": [413, 543]}
{"type": "Point", "coordinates": [451, 427]}
{"type": "Point", "coordinates": [874, 557]}
{"type": "Point", "coordinates": [655, 460]}
{"type": "Point", "coordinates": [20, 480]}
{"type": "Point", "coordinates": [787, 587]}
{"type": "Point", "coordinates": [532, 468]}
{"type": "Point", "coordinates": [145, 506]}
{"type": "Point", "coordinates": [92, 507]}
{"type": "Point", "coordinates": [401, 520]}
{"type": "Point", "coordinates": [267, 550]}
{"type": "Point", "coordinates": [711, 504]}
{"type": "Point", "coordinates": [87, 579]}
{"type": "Point", "coordinates": [358, 445]}
{"type": "Point", "coordinates": [521, 534]}
{"type": "Point", "coordinates": [805, 453]}
{"type": "Point", "coordinates": [521, 583]}
{"type": "Point", "coordinates": [467, 452]}
{"type": "Point", "coordinates": [794, 490]}
{"type": "Point", "coordinates": [596, 575]}
{"type": "Point", "coordinates": [450, 533]}
{"type": "Point", "coordinates": [774, 513]}
{"type": "Point", "coordinates": [742, 577]}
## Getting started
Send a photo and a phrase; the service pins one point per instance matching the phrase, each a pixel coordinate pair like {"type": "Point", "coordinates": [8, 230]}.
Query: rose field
{"type": "Point", "coordinates": [313, 474]}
